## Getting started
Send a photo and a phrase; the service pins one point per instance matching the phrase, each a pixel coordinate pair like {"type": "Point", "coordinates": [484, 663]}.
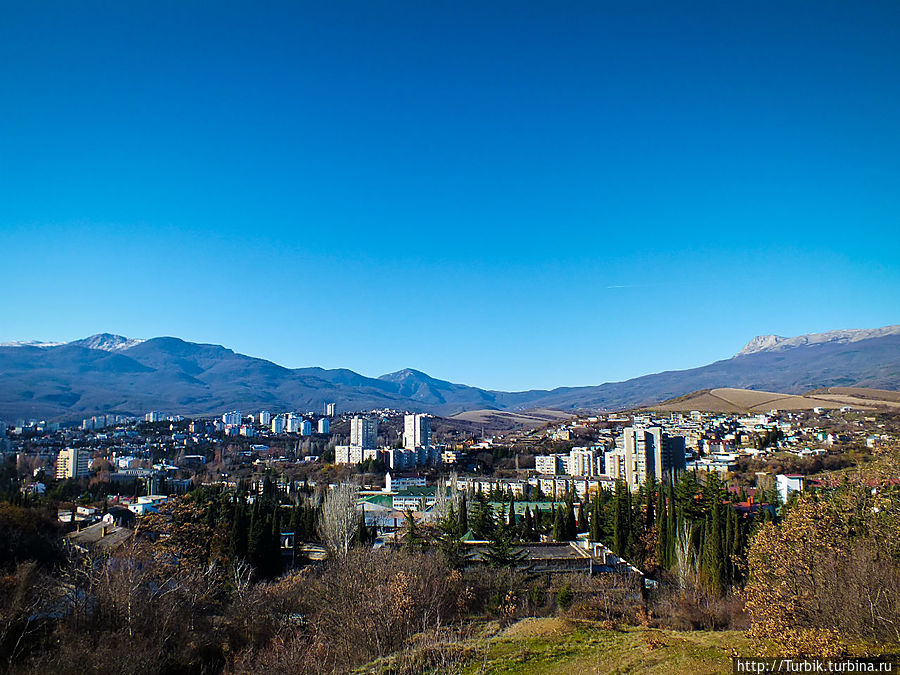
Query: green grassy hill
{"type": "Point", "coordinates": [560, 646]}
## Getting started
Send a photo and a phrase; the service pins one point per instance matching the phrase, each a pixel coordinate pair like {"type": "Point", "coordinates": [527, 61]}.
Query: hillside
{"type": "Point", "coordinates": [548, 646]}
{"type": "Point", "coordinates": [111, 374]}
{"type": "Point", "coordinates": [727, 400]}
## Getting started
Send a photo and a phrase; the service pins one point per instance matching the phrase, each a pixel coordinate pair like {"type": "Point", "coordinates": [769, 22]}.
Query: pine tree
{"type": "Point", "coordinates": [501, 553]}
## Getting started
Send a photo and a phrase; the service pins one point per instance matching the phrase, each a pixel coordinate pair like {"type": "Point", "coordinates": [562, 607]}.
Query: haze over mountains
{"type": "Point", "coordinates": [111, 374]}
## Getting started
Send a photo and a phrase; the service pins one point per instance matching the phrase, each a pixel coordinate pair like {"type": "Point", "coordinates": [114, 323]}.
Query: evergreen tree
{"type": "Point", "coordinates": [273, 555]}
{"type": "Point", "coordinates": [582, 518]}
{"type": "Point", "coordinates": [622, 518]}
{"type": "Point", "coordinates": [711, 562]}
{"type": "Point", "coordinates": [571, 530]}
{"type": "Point", "coordinates": [501, 552]}
{"type": "Point", "coordinates": [595, 532]}
{"type": "Point", "coordinates": [482, 520]}
{"type": "Point", "coordinates": [662, 531]}
{"type": "Point", "coordinates": [559, 525]}
{"type": "Point", "coordinates": [256, 537]}
{"type": "Point", "coordinates": [649, 496]}
{"type": "Point", "coordinates": [511, 521]}
{"type": "Point", "coordinates": [463, 514]}
{"type": "Point", "coordinates": [528, 526]}
{"type": "Point", "coordinates": [671, 525]}
{"type": "Point", "coordinates": [239, 532]}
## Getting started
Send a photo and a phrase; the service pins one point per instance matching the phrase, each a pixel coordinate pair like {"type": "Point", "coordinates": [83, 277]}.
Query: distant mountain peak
{"type": "Point", "coordinates": [30, 343]}
{"type": "Point", "coordinates": [775, 343]}
{"type": "Point", "coordinates": [107, 342]}
{"type": "Point", "coordinates": [406, 374]}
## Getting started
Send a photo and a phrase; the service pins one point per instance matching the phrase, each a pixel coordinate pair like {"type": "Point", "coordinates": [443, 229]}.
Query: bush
{"type": "Point", "coordinates": [564, 597]}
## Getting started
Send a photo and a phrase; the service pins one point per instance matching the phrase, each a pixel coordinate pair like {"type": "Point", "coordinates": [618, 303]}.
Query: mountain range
{"type": "Point", "coordinates": [107, 373]}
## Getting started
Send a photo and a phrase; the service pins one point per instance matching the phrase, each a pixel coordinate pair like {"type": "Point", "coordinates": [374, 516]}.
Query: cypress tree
{"type": "Point", "coordinates": [559, 526]}
{"type": "Point", "coordinates": [239, 532]}
{"type": "Point", "coordinates": [711, 566]}
{"type": "Point", "coordinates": [650, 496]}
{"type": "Point", "coordinates": [582, 518]}
{"type": "Point", "coordinates": [511, 521]}
{"type": "Point", "coordinates": [671, 526]}
{"type": "Point", "coordinates": [596, 525]}
{"type": "Point", "coordinates": [256, 537]}
{"type": "Point", "coordinates": [570, 527]}
{"type": "Point", "coordinates": [527, 525]}
{"type": "Point", "coordinates": [662, 531]}
{"type": "Point", "coordinates": [622, 518]}
{"type": "Point", "coordinates": [463, 514]}
{"type": "Point", "coordinates": [273, 562]}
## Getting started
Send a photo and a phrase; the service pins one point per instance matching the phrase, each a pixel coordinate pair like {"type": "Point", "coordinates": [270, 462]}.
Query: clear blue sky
{"type": "Point", "coordinates": [509, 195]}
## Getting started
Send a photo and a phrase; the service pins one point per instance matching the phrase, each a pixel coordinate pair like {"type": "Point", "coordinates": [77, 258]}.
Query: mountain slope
{"type": "Point", "coordinates": [108, 373]}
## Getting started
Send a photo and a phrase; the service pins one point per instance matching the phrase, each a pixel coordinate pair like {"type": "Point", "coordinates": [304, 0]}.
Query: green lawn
{"type": "Point", "coordinates": [553, 645]}
{"type": "Point", "coordinates": [556, 646]}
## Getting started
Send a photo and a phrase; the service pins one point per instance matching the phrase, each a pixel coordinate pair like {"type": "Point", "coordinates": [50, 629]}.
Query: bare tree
{"type": "Point", "coordinates": [339, 520]}
{"type": "Point", "coordinates": [685, 554]}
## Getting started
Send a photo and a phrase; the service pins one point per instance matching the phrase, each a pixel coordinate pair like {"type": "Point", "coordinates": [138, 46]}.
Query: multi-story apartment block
{"type": "Point", "coordinates": [363, 432]}
{"type": "Point", "coordinates": [324, 425]}
{"type": "Point", "coordinates": [416, 431]}
{"type": "Point", "coordinates": [71, 463]}
{"type": "Point", "coordinates": [232, 418]}
{"type": "Point", "coordinates": [645, 451]}
{"type": "Point", "coordinates": [264, 418]}
{"type": "Point", "coordinates": [278, 424]}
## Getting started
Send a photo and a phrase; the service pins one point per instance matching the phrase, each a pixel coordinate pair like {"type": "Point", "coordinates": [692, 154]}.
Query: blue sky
{"type": "Point", "coordinates": [509, 195]}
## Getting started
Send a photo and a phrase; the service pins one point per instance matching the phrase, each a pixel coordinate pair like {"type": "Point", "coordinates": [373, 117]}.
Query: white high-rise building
{"type": "Point", "coordinates": [264, 418]}
{"type": "Point", "coordinates": [324, 425]}
{"type": "Point", "coordinates": [305, 428]}
{"type": "Point", "coordinates": [278, 424]}
{"type": "Point", "coordinates": [232, 418]}
{"type": "Point", "coordinates": [153, 416]}
{"type": "Point", "coordinates": [582, 462]}
{"type": "Point", "coordinates": [363, 432]}
{"type": "Point", "coordinates": [645, 451]}
{"type": "Point", "coordinates": [329, 410]}
{"type": "Point", "coordinates": [292, 423]}
{"type": "Point", "coordinates": [71, 463]}
{"type": "Point", "coordinates": [416, 431]}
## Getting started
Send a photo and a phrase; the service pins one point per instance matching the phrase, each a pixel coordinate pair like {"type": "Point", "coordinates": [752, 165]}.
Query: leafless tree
{"type": "Point", "coordinates": [338, 520]}
{"type": "Point", "coordinates": [686, 556]}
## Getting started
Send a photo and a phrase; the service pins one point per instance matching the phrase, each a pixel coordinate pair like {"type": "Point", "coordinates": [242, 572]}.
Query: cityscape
{"type": "Point", "coordinates": [450, 338]}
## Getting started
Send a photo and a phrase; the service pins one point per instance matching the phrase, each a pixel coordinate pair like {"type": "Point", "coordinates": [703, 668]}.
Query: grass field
{"type": "Point", "coordinates": [560, 646]}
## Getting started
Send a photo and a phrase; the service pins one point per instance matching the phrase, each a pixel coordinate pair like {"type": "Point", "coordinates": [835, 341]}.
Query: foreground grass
{"type": "Point", "coordinates": [558, 646]}
{"type": "Point", "coordinates": [552, 645]}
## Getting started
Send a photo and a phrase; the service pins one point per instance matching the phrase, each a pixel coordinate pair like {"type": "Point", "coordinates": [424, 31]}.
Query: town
{"type": "Point", "coordinates": [397, 461]}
